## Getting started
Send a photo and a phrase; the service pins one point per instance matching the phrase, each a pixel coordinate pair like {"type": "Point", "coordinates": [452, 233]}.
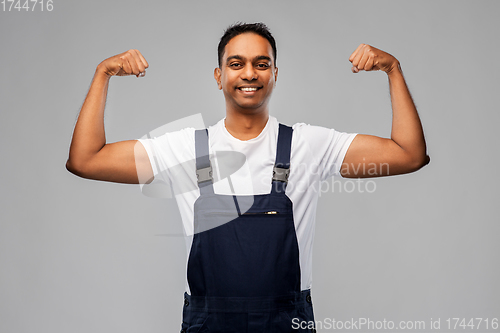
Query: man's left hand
{"type": "Point", "coordinates": [369, 58]}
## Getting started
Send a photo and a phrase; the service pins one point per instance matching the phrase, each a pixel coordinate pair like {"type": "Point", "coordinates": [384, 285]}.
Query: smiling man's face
{"type": "Point", "coordinates": [247, 75]}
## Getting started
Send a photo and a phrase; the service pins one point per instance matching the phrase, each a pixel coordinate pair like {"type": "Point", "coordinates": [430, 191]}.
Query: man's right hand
{"type": "Point", "coordinates": [130, 62]}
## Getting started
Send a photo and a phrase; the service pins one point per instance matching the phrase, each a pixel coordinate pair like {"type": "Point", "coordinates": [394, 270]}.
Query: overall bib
{"type": "Point", "coordinates": [243, 268]}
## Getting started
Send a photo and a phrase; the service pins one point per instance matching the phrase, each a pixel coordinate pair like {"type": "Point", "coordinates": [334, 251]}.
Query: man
{"type": "Point", "coordinates": [249, 262]}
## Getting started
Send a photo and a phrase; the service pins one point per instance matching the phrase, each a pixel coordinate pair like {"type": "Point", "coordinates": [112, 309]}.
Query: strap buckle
{"type": "Point", "coordinates": [204, 175]}
{"type": "Point", "coordinates": [281, 174]}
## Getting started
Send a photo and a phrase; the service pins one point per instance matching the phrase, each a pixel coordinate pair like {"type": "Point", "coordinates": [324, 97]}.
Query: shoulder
{"type": "Point", "coordinates": [180, 138]}
{"type": "Point", "coordinates": [171, 146]}
{"type": "Point", "coordinates": [306, 134]}
{"type": "Point", "coordinates": [312, 133]}
{"type": "Point", "coordinates": [321, 140]}
{"type": "Point", "coordinates": [315, 133]}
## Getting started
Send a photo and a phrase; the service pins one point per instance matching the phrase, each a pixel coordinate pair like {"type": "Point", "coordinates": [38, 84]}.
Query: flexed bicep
{"type": "Point", "coordinates": [120, 162]}
{"type": "Point", "coordinates": [373, 156]}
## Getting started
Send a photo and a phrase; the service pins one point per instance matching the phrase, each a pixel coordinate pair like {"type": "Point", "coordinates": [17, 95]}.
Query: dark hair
{"type": "Point", "coordinates": [239, 28]}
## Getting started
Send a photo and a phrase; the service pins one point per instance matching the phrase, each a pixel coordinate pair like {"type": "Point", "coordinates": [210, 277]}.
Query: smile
{"type": "Point", "coordinates": [249, 90]}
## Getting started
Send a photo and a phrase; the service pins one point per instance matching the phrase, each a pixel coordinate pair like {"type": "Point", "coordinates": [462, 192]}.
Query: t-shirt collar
{"type": "Point", "coordinates": [222, 124]}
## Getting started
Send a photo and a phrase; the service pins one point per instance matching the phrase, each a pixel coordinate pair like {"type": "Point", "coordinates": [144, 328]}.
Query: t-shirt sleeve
{"type": "Point", "coordinates": [148, 145]}
{"type": "Point", "coordinates": [328, 147]}
{"type": "Point", "coordinates": [169, 155]}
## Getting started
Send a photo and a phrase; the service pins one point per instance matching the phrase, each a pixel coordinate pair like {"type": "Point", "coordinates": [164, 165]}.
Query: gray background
{"type": "Point", "coordinates": [86, 256]}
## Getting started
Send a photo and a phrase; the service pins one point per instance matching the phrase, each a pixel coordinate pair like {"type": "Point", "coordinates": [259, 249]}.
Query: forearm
{"type": "Point", "coordinates": [89, 135]}
{"type": "Point", "coordinates": [407, 129]}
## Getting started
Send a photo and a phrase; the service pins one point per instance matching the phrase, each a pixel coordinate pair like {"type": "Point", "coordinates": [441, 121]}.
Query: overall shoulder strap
{"type": "Point", "coordinates": [203, 166]}
{"type": "Point", "coordinates": [281, 169]}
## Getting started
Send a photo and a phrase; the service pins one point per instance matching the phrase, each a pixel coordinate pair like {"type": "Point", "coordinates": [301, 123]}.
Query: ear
{"type": "Point", "coordinates": [275, 75]}
{"type": "Point", "coordinates": [217, 76]}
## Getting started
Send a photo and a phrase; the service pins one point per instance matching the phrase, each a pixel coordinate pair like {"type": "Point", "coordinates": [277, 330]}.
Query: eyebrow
{"type": "Point", "coordinates": [237, 56]}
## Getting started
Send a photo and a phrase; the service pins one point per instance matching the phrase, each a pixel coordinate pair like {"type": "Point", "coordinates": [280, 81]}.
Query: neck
{"type": "Point", "coordinates": [245, 126]}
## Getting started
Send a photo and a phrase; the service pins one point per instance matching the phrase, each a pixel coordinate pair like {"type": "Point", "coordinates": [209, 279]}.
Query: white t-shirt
{"type": "Point", "coordinates": [316, 154]}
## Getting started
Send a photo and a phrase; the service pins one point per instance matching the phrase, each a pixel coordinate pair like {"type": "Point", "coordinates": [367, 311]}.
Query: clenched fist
{"type": "Point", "coordinates": [369, 58]}
{"type": "Point", "coordinates": [126, 63]}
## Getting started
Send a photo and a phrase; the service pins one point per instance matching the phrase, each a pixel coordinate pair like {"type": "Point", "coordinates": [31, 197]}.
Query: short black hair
{"type": "Point", "coordinates": [239, 28]}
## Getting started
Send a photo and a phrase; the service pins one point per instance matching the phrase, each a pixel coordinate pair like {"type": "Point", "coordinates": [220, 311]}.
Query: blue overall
{"type": "Point", "coordinates": [243, 268]}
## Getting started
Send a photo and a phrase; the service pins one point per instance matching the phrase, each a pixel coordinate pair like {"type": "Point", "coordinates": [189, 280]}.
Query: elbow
{"type": "Point", "coordinates": [74, 168]}
{"type": "Point", "coordinates": [70, 166]}
{"type": "Point", "coordinates": [419, 162]}
{"type": "Point", "coordinates": [427, 160]}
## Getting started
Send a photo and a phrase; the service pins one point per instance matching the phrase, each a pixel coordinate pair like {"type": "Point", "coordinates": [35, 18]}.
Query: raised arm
{"type": "Point", "coordinates": [89, 155]}
{"type": "Point", "coordinates": [405, 151]}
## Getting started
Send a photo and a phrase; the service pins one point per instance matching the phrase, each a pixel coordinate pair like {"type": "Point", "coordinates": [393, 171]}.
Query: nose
{"type": "Point", "coordinates": [249, 73]}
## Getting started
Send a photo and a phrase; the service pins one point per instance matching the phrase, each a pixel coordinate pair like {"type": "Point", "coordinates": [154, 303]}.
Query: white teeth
{"type": "Point", "coordinates": [248, 89]}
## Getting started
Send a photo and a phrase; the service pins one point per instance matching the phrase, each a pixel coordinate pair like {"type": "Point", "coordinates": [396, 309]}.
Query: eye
{"type": "Point", "coordinates": [235, 64]}
{"type": "Point", "coordinates": [263, 65]}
